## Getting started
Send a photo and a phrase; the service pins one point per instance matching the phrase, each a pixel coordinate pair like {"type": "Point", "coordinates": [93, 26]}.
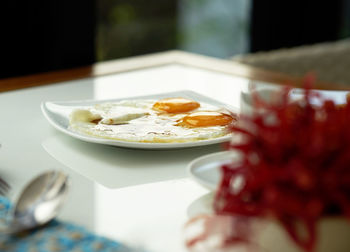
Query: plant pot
{"type": "Point", "coordinates": [333, 235]}
{"type": "Point", "coordinates": [264, 235]}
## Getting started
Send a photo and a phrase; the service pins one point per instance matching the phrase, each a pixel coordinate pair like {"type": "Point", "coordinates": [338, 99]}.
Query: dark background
{"type": "Point", "coordinates": [294, 23]}
{"type": "Point", "coordinates": [46, 35]}
{"type": "Point", "coordinates": [40, 36]}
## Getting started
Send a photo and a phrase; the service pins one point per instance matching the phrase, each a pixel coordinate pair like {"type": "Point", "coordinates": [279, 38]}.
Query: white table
{"type": "Point", "coordinates": [141, 198]}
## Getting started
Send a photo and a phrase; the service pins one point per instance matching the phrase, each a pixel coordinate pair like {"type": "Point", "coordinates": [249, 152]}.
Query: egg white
{"type": "Point", "coordinates": [136, 121]}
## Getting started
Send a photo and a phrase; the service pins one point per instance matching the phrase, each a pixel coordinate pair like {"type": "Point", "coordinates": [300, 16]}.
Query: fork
{"type": "Point", "coordinates": [4, 187]}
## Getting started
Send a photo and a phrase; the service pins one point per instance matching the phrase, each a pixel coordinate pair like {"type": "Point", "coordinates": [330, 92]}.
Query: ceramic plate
{"type": "Point", "coordinates": [205, 170]}
{"type": "Point", "coordinates": [57, 113]}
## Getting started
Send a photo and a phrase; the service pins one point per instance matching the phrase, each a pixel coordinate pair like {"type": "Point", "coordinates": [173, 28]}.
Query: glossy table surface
{"type": "Point", "coordinates": [142, 198]}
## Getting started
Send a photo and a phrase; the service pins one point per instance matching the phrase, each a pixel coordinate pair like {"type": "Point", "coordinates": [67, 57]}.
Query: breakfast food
{"type": "Point", "coordinates": [175, 105]}
{"type": "Point", "coordinates": [167, 120]}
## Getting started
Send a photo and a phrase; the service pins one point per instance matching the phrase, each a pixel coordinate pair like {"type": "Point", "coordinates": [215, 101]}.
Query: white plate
{"type": "Point", "coordinates": [206, 169]}
{"type": "Point", "coordinates": [57, 113]}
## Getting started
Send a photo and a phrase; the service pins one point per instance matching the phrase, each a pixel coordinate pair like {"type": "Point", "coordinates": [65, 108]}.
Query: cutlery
{"type": "Point", "coordinates": [4, 187]}
{"type": "Point", "coordinates": [39, 202]}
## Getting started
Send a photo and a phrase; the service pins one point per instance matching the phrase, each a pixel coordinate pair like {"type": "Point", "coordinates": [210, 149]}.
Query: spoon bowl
{"type": "Point", "coordinates": [39, 202]}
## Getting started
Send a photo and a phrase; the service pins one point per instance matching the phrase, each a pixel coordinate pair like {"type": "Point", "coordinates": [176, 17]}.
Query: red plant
{"type": "Point", "coordinates": [295, 165]}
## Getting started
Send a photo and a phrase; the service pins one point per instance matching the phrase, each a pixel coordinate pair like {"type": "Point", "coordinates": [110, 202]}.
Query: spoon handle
{"type": "Point", "coordinates": [8, 230]}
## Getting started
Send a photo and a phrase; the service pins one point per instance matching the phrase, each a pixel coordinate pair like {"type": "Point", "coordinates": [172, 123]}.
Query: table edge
{"type": "Point", "coordinates": [153, 60]}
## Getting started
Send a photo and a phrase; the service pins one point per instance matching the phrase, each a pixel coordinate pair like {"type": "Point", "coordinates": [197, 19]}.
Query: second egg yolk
{"type": "Point", "coordinates": [175, 105]}
{"type": "Point", "coordinates": [206, 119]}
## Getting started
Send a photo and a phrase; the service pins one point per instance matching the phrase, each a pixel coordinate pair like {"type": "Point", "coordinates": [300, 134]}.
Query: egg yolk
{"type": "Point", "coordinates": [175, 105]}
{"type": "Point", "coordinates": [206, 119]}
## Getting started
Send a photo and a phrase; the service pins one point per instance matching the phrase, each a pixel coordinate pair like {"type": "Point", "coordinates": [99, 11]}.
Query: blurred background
{"type": "Point", "coordinates": [40, 36]}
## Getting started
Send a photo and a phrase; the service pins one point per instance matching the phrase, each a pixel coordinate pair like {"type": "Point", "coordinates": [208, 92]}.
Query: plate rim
{"type": "Point", "coordinates": [212, 157]}
{"type": "Point", "coordinates": [134, 145]}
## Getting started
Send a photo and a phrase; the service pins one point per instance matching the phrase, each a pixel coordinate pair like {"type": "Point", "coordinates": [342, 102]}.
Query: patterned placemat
{"type": "Point", "coordinates": [55, 236]}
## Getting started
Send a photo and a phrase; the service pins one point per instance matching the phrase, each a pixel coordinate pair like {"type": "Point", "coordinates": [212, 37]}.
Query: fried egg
{"type": "Point", "coordinates": [154, 121]}
{"type": "Point", "coordinates": [175, 105]}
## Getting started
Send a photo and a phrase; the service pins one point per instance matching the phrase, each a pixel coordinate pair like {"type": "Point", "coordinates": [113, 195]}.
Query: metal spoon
{"type": "Point", "coordinates": [39, 202]}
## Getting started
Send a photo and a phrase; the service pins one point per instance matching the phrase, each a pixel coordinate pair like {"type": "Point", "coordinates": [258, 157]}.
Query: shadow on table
{"type": "Point", "coordinates": [116, 167]}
